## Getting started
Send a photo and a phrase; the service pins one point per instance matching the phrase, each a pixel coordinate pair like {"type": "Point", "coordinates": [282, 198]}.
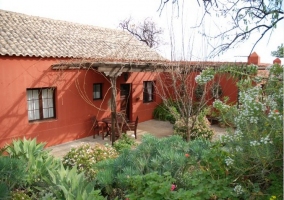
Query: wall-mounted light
{"type": "Point", "coordinates": [125, 76]}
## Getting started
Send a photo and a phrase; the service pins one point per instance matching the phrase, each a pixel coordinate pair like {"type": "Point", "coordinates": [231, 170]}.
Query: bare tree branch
{"type": "Point", "coordinates": [246, 17]}
{"type": "Point", "coordinates": [146, 32]}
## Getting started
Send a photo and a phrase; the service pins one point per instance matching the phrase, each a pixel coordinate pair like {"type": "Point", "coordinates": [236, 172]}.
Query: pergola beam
{"type": "Point", "coordinates": [114, 67]}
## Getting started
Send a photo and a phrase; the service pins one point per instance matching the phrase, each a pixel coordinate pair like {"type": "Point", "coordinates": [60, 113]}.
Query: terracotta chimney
{"type": "Point", "coordinates": [277, 60]}
{"type": "Point", "coordinates": [254, 59]}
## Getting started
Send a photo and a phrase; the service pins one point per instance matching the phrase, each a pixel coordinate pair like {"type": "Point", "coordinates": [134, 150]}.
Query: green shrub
{"type": "Point", "coordinates": [24, 149]}
{"type": "Point", "coordinates": [198, 126]}
{"type": "Point", "coordinates": [4, 191]}
{"type": "Point", "coordinates": [124, 142]}
{"type": "Point", "coordinates": [151, 186]}
{"type": "Point", "coordinates": [191, 166]}
{"type": "Point", "coordinates": [256, 146]}
{"type": "Point", "coordinates": [155, 186]}
{"type": "Point", "coordinates": [172, 155]}
{"type": "Point", "coordinates": [37, 160]}
{"type": "Point", "coordinates": [165, 112]}
{"type": "Point", "coordinates": [152, 155]}
{"type": "Point", "coordinates": [36, 164]}
{"type": "Point", "coordinates": [226, 112]}
{"type": "Point", "coordinates": [31, 173]}
{"type": "Point", "coordinates": [12, 173]}
{"type": "Point", "coordinates": [86, 156]}
{"type": "Point", "coordinates": [20, 195]}
{"type": "Point", "coordinates": [68, 184]}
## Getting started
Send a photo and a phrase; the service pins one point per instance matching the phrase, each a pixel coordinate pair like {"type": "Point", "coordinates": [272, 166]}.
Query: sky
{"type": "Point", "coordinates": [179, 36]}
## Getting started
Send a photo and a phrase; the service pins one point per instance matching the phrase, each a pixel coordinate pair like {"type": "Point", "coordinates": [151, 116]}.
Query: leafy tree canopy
{"type": "Point", "coordinates": [279, 52]}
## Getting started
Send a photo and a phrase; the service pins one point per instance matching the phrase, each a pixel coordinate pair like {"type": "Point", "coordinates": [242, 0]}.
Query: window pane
{"type": "Point", "coordinates": [148, 92]}
{"type": "Point", "coordinates": [35, 94]}
{"type": "Point", "coordinates": [30, 115]}
{"type": "Point", "coordinates": [51, 112]}
{"type": "Point", "coordinates": [44, 93]}
{"type": "Point", "coordinates": [50, 93]}
{"type": "Point", "coordinates": [36, 114]}
{"type": "Point", "coordinates": [36, 104]}
{"type": "Point", "coordinates": [97, 91]}
{"type": "Point", "coordinates": [50, 103]}
{"type": "Point", "coordinates": [29, 95]}
{"type": "Point", "coordinates": [45, 113]}
{"type": "Point", "coordinates": [97, 94]}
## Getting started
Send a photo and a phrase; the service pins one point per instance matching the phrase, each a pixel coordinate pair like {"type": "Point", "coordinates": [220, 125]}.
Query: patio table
{"type": "Point", "coordinates": [107, 121]}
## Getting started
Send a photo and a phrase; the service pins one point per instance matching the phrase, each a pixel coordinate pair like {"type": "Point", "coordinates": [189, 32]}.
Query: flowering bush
{"type": "Point", "coordinates": [226, 112]}
{"type": "Point", "coordinates": [86, 156]}
{"type": "Point", "coordinates": [205, 76]}
{"type": "Point", "coordinates": [256, 145]}
{"type": "Point", "coordinates": [199, 126]}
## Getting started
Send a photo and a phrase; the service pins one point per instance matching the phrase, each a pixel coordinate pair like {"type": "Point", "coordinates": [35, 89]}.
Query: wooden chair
{"type": "Point", "coordinates": [96, 127]}
{"type": "Point", "coordinates": [117, 129]}
{"type": "Point", "coordinates": [131, 126]}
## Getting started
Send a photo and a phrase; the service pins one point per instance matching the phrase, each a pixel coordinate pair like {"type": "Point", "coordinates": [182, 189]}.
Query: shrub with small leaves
{"type": "Point", "coordinates": [256, 144]}
{"type": "Point", "coordinates": [124, 142]}
{"type": "Point", "coordinates": [199, 126]}
{"type": "Point", "coordinates": [86, 156]}
{"type": "Point", "coordinates": [205, 76]}
{"type": "Point", "coordinates": [151, 186]}
{"type": "Point", "coordinates": [167, 111]}
{"type": "Point", "coordinates": [12, 173]}
{"type": "Point", "coordinates": [19, 195]}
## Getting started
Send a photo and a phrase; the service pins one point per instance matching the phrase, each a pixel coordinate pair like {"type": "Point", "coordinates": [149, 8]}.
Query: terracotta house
{"type": "Point", "coordinates": [55, 75]}
{"type": "Point", "coordinates": [42, 100]}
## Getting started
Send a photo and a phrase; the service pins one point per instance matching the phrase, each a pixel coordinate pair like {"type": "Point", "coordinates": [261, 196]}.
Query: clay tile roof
{"type": "Point", "coordinates": [24, 35]}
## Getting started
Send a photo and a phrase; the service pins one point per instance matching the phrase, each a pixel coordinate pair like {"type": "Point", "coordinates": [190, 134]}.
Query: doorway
{"type": "Point", "coordinates": [125, 103]}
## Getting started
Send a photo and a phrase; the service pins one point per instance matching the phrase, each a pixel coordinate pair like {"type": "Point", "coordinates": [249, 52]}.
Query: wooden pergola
{"type": "Point", "coordinates": [113, 70]}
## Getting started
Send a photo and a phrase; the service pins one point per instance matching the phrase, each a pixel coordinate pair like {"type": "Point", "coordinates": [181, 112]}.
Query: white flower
{"type": "Point", "coordinates": [229, 161]}
{"type": "Point", "coordinates": [238, 149]}
{"type": "Point", "coordinates": [238, 189]}
{"type": "Point", "coordinates": [265, 140]}
{"type": "Point", "coordinates": [254, 143]}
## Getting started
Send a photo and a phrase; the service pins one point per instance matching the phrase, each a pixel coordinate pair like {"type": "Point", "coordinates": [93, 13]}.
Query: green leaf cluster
{"type": "Point", "coordinates": [12, 175]}
{"type": "Point", "coordinates": [149, 170]}
{"type": "Point", "coordinates": [166, 111]}
{"type": "Point", "coordinates": [71, 185]}
{"type": "Point", "coordinates": [124, 142]}
{"type": "Point", "coordinates": [28, 171]}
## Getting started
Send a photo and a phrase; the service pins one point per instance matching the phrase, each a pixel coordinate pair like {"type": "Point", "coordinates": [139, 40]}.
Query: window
{"type": "Point", "coordinates": [97, 91]}
{"type": "Point", "coordinates": [148, 91]}
{"type": "Point", "coordinates": [41, 103]}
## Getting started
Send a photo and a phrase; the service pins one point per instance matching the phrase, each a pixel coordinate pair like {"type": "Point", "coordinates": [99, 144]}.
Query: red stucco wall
{"type": "Point", "coordinates": [74, 102]}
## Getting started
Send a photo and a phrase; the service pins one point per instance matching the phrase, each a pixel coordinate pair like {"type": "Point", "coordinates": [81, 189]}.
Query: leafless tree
{"type": "Point", "coordinates": [178, 88]}
{"type": "Point", "coordinates": [146, 31]}
{"type": "Point", "coordinates": [246, 18]}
